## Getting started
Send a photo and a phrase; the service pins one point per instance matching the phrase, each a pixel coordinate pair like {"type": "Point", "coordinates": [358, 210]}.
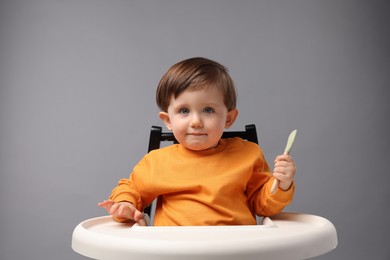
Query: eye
{"type": "Point", "coordinates": [184, 111]}
{"type": "Point", "coordinates": [208, 110]}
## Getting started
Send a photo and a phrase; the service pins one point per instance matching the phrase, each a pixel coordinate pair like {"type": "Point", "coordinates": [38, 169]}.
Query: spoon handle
{"type": "Point", "coordinates": [290, 142]}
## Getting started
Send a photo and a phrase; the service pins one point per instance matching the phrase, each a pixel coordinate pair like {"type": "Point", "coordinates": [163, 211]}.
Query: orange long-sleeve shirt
{"type": "Point", "coordinates": [225, 185]}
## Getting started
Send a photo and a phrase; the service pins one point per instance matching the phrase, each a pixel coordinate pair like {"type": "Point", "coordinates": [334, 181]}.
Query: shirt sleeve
{"type": "Point", "coordinates": [136, 188]}
{"type": "Point", "coordinates": [126, 191]}
{"type": "Point", "coordinates": [260, 199]}
{"type": "Point", "coordinates": [268, 204]}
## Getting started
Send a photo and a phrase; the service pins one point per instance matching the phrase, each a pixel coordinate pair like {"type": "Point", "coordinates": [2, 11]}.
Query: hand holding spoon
{"type": "Point", "coordinates": [290, 142]}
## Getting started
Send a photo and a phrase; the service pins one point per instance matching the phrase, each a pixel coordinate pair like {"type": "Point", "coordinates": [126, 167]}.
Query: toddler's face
{"type": "Point", "coordinates": [198, 118]}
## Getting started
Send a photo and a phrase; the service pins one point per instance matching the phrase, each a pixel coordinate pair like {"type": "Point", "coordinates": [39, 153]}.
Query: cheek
{"type": "Point", "coordinates": [178, 125]}
{"type": "Point", "coordinates": [220, 122]}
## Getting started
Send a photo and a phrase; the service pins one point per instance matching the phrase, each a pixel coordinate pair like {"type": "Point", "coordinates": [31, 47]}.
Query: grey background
{"type": "Point", "coordinates": [77, 101]}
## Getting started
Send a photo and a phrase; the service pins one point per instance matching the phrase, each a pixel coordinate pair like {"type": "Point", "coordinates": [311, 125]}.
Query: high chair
{"type": "Point", "coordinates": [283, 236]}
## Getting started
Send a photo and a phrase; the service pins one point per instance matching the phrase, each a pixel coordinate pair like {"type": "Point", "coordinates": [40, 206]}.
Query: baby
{"type": "Point", "coordinates": [203, 180]}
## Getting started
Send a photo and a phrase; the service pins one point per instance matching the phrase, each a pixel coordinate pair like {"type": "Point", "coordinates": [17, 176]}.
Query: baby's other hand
{"type": "Point", "coordinates": [284, 171]}
{"type": "Point", "coordinates": [123, 210]}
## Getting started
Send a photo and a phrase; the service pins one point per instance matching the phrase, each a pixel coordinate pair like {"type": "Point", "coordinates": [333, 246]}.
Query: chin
{"type": "Point", "coordinates": [195, 147]}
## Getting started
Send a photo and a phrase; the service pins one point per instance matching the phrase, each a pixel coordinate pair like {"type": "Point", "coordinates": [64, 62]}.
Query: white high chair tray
{"type": "Point", "coordinates": [283, 236]}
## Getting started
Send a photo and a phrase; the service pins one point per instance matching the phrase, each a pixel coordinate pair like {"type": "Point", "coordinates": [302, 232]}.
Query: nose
{"type": "Point", "coordinates": [196, 121]}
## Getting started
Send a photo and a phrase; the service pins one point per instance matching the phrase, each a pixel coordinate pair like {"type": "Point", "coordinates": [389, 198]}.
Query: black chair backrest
{"type": "Point", "coordinates": [157, 136]}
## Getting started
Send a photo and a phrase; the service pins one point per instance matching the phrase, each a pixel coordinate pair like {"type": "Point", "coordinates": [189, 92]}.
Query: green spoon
{"type": "Point", "coordinates": [290, 142]}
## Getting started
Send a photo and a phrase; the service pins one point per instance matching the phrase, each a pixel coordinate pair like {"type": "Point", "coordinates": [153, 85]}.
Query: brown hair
{"type": "Point", "coordinates": [195, 73]}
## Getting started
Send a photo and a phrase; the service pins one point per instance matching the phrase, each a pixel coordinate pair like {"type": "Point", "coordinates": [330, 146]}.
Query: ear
{"type": "Point", "coordinates": [231, 117]}
{"type": "Point", "coordinates": [165, 118]}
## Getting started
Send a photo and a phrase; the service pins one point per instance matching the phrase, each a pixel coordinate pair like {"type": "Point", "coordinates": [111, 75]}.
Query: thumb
{"type": "Point", "coordinates": [138, 215]}
{"type": "Point", "coordinates": [139, 218]}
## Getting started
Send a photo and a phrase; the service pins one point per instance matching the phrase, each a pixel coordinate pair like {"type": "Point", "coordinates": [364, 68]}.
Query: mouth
{"type": "Point", "coordinates": [197, 134]}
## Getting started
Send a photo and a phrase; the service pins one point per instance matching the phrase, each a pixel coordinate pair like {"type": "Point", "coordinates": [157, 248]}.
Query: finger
{"type": "Point", "coordinates": [282, 177]}
{"type": "Point", "coordinates": [125, 211]}
{"type": "Point", "coordinates": [106, 204]}
{"type": "Point", "coordinates": [122, 211]}
{"type": "Point", "coordinates": [282, 164]}
{"type": "Point", "coordinates": [114, 208]}
{"type": "Point", "coordinates": [138, 215]}
{"type": "Point", "coordinates": [102, 203]}
{"type": "Point", "coordinates": [283, 157]}
{"type": "Point", "coordinates": [142, 222]}
{"type": "Point", "coordinates": [281, 168]}
{"type": "Point", "coordinates": [284, 171]}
